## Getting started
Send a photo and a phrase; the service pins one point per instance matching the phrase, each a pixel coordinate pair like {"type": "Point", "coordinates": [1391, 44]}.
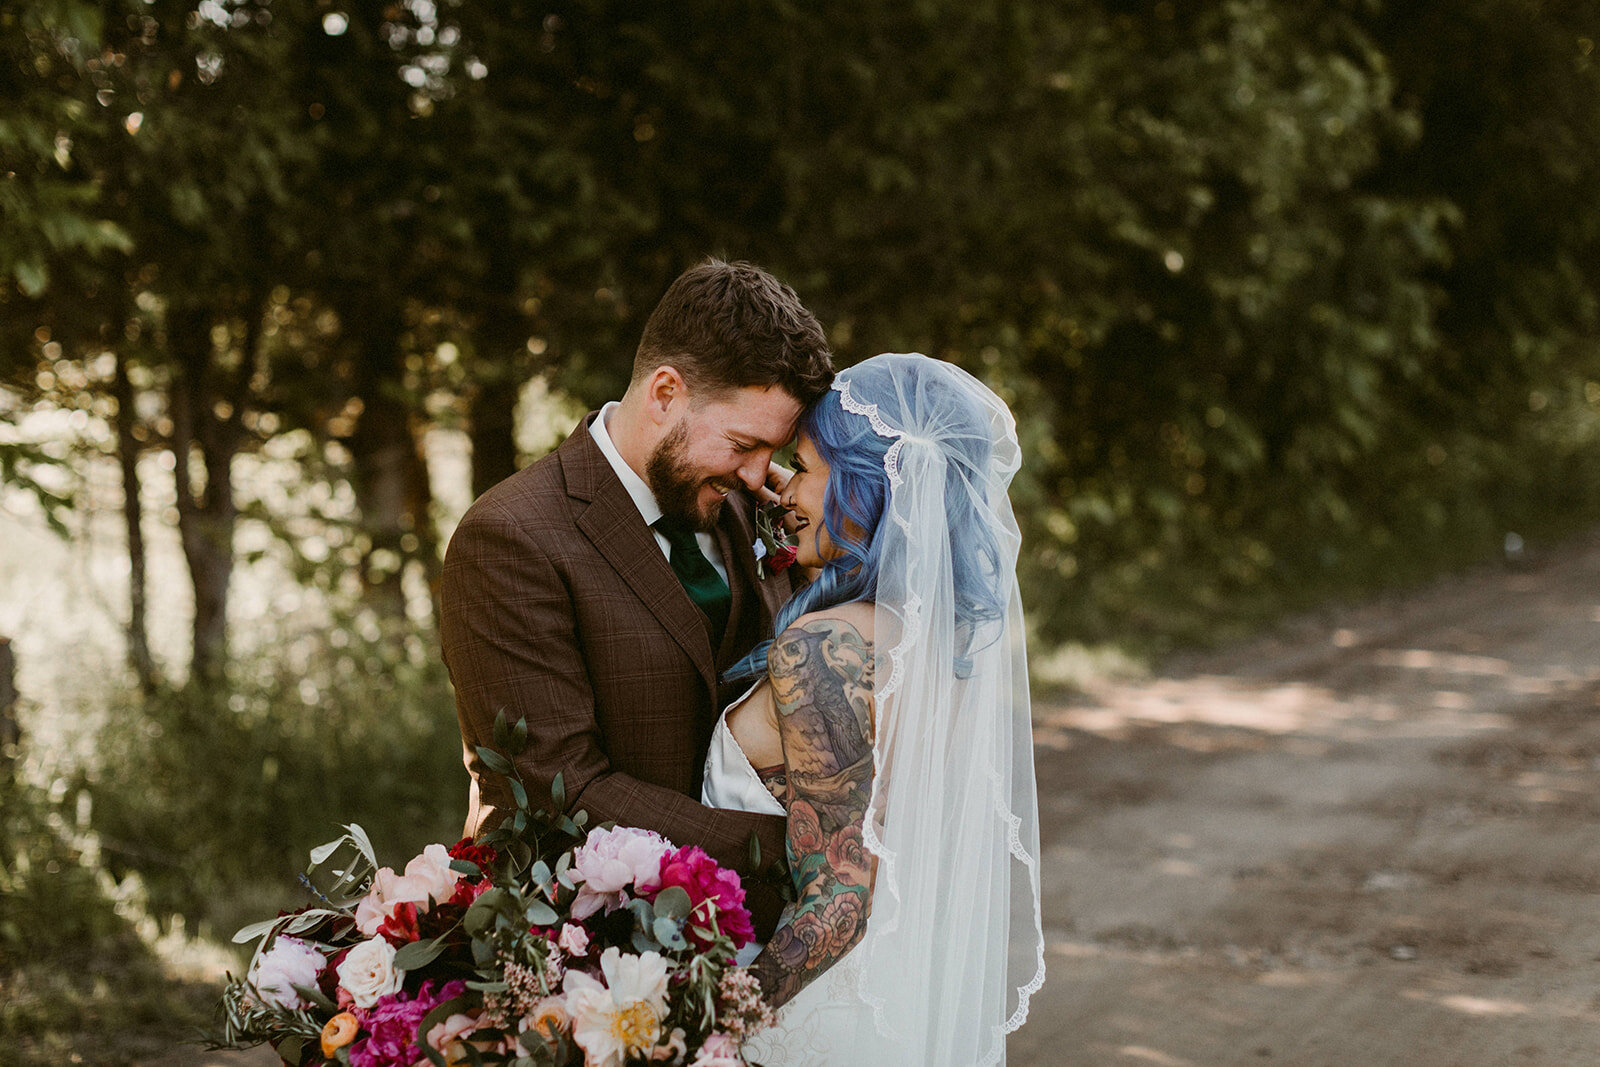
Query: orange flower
{"type": "Point", "coordinates": [339, 1032]}
{"type": "Point", "coordinates": [550, 1017]}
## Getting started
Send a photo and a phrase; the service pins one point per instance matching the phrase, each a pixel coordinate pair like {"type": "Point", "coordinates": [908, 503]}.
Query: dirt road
{"type": "Point", "coordinates": [1372, 839]}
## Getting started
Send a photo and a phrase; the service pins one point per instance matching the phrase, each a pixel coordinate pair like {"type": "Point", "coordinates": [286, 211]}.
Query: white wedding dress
{"type": "Point", "coordinates": [817, 1026]}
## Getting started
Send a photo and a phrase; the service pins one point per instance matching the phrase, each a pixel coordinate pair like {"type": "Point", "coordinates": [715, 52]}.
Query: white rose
{"type": "Point", "coordinates": [288, 963]}
{"type": "Point", "coordinates": [368, 972]}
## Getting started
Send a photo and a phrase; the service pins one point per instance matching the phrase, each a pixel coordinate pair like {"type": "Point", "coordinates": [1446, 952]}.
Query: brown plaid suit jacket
{"type": "Point", "coordinates": [559, 607]}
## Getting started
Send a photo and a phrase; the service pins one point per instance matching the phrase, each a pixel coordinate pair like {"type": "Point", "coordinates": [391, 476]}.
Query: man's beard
{"type": "Point", "coordinates": [675, 484]}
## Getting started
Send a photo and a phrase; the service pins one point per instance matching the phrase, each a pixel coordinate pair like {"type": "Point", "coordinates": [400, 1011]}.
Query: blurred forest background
{"type": "Point", "coordinates": [1292, 300]}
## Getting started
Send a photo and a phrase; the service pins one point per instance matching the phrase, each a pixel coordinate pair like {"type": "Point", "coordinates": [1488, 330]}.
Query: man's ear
{"type": "Point", "coordinates": [666, 395]}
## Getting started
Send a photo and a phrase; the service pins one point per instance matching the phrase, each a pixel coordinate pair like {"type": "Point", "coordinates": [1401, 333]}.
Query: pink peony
{"type": "Point", "coordinates": [288, 963]}
{"type": "Point", "coordinates": [713, 891]}
{"type": "Point", "coordinates": [392, 1023]}
{"type": "Point", "coordinates": [610, 861]}
{"type": "Point", "coordinates": [720, 1050]}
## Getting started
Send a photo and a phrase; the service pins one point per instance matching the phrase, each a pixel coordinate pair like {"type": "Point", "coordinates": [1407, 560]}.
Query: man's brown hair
{"type": "Point", "coordinates": [731, 325]}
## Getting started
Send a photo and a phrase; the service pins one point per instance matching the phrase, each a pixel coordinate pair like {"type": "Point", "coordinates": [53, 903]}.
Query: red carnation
{"type": "Point", "coordinates": [483, 855]}
{"type": "Point", "coordinates": [781, 559]}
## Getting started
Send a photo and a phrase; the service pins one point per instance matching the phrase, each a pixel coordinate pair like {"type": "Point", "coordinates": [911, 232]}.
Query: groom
{"type": "Point", "coordinates": [600, 592]}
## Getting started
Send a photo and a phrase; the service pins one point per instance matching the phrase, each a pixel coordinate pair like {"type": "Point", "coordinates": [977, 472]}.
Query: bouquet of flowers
{"type": "Point", "coordinates": [775, 545]}
{"type": "Point", "coordinates": [544, 943]}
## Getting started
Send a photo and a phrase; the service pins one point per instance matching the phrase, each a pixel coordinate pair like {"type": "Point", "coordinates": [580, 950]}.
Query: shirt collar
{"type": "Point", "coordinates": [638, 491]}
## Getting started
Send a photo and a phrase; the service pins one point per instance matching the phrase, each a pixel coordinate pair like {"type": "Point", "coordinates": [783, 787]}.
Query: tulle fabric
{"type": "Point", "coordinates": [954, 946]}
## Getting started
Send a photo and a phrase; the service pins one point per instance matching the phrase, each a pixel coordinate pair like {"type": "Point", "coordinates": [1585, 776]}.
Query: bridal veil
{"type": "Point", "coordinates": [954, 945]}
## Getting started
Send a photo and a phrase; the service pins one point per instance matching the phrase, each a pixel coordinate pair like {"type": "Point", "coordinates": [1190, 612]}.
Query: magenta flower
{"type": "Point", "coordinates": [392, 1023]}
{"type": "Point", "coordinates": [711, 889]}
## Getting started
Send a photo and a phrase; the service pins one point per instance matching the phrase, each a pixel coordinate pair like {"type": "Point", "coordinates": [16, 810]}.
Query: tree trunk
{"type": "Point", "coordinates": [10, 732]}
{"type": "Point", "coordinates": [128, 448]}
{"type": "Point", "coordinates": [206, 514]}
{"type": "Point", "coordinates": [502, 343]}
{"type": "Point", "coordinates": [493, 432]}
{"type": "Point", "coordinates": [390, 477]}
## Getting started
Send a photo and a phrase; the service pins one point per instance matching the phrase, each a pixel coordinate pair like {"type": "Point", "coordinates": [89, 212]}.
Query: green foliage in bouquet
{"type": "Point", "coordinates": [545, 942]}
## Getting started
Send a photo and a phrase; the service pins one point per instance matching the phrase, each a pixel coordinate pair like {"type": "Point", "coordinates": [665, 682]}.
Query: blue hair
{"type": "Point", "coordinates": [854, 499]}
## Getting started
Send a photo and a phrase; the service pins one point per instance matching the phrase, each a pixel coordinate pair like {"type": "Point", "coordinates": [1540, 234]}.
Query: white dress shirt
{"type": "Point", "coordinates": [643, 498]}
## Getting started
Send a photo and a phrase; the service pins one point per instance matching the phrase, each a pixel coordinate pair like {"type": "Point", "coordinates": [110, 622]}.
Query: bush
{"type": "Point", "coordinates": [214, 797]}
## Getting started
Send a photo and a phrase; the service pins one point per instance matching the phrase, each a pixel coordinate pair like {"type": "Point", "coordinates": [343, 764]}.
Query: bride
{"type": "Point", "coordinates": [890, 724]}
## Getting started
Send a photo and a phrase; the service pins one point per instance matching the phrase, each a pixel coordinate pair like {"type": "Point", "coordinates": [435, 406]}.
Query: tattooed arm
{"type": "Point", "coordinates": [821, 671]}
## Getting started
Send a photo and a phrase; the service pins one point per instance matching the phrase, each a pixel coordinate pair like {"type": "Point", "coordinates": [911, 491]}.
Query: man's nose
{"type": "Point", "coordinates": [753, 471]}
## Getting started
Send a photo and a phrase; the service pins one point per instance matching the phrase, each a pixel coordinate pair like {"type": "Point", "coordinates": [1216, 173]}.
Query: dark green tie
{"type": "Point", "coordinates": [699, 578]}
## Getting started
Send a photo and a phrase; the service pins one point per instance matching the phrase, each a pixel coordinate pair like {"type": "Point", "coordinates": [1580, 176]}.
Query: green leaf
{"type": "Point", "coordinates": [541, 914]}
{"type": "Point", "coordinates": [558, 792]}
{"type": "Point", "coordinates": [667, 932]}
{"type": "Point", "coordinates": [254, 930]}
{"type": "Point", "coordinates": [496, 762]}
{"type": "Point", "coordinates": [418, 954]}
{"type": "Point", "coordinates": [289, 1049]}
{"type": "Point", "coordinates": [317, 997]}
{"type": "Point", "coordinates": [519, 793]}
{"type": "Point", "coordinates": [438, 1015]}
{"type": "Point", "coordinates": [464, 867]}
{"type": "Point", "coordinates": [673, 902]}
{"type": "Point", "coordinates": [755, 851]}
{"type": "Point", "coordinates": [502, 731]}
{"type": "Point", "coordinates": [519, 737]}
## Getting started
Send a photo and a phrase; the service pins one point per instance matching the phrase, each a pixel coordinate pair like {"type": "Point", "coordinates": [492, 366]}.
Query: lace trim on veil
{"type": "Point", "coordinates": [870, 838]}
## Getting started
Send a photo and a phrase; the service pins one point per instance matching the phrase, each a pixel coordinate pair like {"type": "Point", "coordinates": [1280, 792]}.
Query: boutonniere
{"type": "Point", "coordinates": [774, 549]}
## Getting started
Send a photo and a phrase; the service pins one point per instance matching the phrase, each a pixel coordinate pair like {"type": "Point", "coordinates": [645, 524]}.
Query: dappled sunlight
{"type": "Point", "coordinates": [1469, 1005]}
{"type": "Point", "coordinates": [1423, 659]}
{"type": "Point", "coordinates": [1140, 1054]}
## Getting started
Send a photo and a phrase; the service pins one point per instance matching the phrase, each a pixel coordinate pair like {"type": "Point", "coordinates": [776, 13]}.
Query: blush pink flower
{"type": "Point", "coordinates": [719, 1050]}
{"type": "Point", "coordinates": [288, 963]}
{"type": "Point", "coordinates": [428, 877]}
{"type": "Point", "coordinates": [574, 939]}
{"type": "Point", "coordinates": [714, 892]}
{"type": "Point", "coordinates": [611, 861]}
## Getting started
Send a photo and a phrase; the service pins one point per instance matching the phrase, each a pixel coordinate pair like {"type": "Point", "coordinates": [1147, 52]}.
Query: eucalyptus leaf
{"type": "Point", "coordinates": [667, 932]}
{"type": "Point", "coordinates": [643, 942]}
{"type": "Point", "coordinates": [464, 867]}
{"type": "Point", "coordinates": [674, 902]}
{"type": "Point", "coordinates": [539, 913]}
{"type": "Point", "coordinates": [289, 1049]}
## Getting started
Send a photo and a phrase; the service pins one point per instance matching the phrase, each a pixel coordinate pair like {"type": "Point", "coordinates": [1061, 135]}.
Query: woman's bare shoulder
{"type": "Point", "coordinates": [855, 617]}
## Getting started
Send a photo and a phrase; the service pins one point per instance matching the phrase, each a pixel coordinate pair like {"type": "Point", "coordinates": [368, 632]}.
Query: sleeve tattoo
{"type": "Point", "coordinates": [822, 683]}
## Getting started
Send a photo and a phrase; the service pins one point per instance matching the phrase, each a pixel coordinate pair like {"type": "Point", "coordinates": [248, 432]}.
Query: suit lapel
{"type": "Point", "coordinates": [607, 516]}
